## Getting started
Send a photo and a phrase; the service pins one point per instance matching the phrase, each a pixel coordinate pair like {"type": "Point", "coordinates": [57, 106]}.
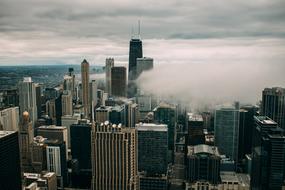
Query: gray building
{"type": "Point", "coordinates": [273, 104]}
{"type": "Point", "coordinates": [152, 148]}
{"type": "Point", "coordinates": [227, 131]}
{"type": "Point", "coordinates": [119, 81]}
{"type": "Point", "coordinates": [203, 164]}
{"type": "Point", "coordinates": [268, 156]}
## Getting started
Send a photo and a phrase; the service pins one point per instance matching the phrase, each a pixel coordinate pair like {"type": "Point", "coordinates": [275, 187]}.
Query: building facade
{"type": "Point", "coordinates": [85, 87]}
{"type": "Point", "coordinates": [119, 81]}
{"type": "Point", "coordinates": [273, 104]}
{"type": "Point", "coordinates": [114, 157]}
{"type": "Point", "coordinates": [227, 131]}
{"type": "Point", "coordinates": [27, 98]}
{"type": "Point", "coordinates": [10, 169]}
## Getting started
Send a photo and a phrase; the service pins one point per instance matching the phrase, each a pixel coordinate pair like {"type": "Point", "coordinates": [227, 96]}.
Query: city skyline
{"type": "Point", "coordinates": [142, 95]}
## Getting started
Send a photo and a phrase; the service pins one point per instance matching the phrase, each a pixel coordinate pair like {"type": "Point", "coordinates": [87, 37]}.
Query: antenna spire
{"type": "Point", "coordinates": [139, 29]}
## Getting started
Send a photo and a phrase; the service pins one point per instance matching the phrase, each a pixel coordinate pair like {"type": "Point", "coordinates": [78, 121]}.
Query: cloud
{"type": "Point", "coordinates": [210, 72]}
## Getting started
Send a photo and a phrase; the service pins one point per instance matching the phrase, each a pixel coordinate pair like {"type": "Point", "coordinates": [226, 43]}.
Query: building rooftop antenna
{"type": "Point", "coordinates": [139, 29]}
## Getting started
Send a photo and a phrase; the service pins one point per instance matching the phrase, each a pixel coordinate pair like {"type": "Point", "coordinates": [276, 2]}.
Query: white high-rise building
{"type": "Point", "coordinates": [66, 102]}
{"type": "Point", "coordinates": [53, 159]}
{"type": "Point", "coordinates": [93, 92]}
{"type": "Point", "coordinates": [85, 87]}
{"type": "Point", "coordinates": [27, 98]}
{"type": "Point", "coordinates": [9, 119]}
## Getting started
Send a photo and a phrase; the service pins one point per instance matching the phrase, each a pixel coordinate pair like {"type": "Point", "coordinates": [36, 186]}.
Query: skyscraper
{"type": "Point", "coordinates": [273, 104]}
{"type": "Point", "coordinates": [85, 87]}
{"type": "Point", "coordinates": [66, 103]}
{"type": "Point", "coordinates": [71, 74]}
{"type": "Point", "coordinates": [80, 142]}
{"type": "Point", "coordinates": [195, 125]}
{"type": "Point", "coordinates": [165, 113]}
{"type": "Point", "coordinates": [118, 81]}
{"type": "Point", "coordinates": [134, 53]}
{"type": "Point", "coordinates": [268, 156]}
{"type": "Point", "coordinates": [26, 142]}
{"type": "Point", "coordinates": [93, 86]}
{"type": "Point", "coordinates": [10, 169]}
{"type": "Point", "coordinates": [108, 67]}
{"type": "Point", "coordinates": [27, 98]}
{"type": "Point", "coordinates": [114, 157]}
{"type": "Point", "coordinates": [152, 148]}
{"type": "Point", "coordinates": [226, 131]}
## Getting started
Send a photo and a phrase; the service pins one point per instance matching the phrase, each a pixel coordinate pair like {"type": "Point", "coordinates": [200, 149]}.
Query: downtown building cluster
{"type": "Point", "coordinates": [81, 134]}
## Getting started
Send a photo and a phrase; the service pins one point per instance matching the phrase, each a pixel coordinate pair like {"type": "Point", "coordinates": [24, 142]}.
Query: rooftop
{"type": "Point", "coordinates": [151, 127]}
{"type": "Point", "coordinates": [203, 148]}
{"type": "Point", "coordinates": [265, 120]}
{"type": "Point", "coordinates": [52, 127]}
{"type": "Point", "coordinates": [194, 117]}
{"type": "Point", "coordinates": [27, 79]}
{"type": "Point", "coordinates": [6, 133]}
{"type": "Point", "coordinates": [164, 105]}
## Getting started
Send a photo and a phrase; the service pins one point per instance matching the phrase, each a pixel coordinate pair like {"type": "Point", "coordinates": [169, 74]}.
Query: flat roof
{"type": "Point", "coordinates": [151, 127]}
{"type": "Point", "coordinates": [194, 117]}
{"type": "Point", "coordinates": [265, 120]}
{"type": "Point", "coordinates": [6, 133]}
{"type": "Point", "coordinates": [52, 127]}
{"type": "Point", "coordinates": [203, 148]}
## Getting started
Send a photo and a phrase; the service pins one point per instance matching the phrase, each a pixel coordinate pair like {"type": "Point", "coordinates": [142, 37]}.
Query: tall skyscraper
{"type": "Point", "coordinates": [118, 81]}
{"type": "Point", "coordinates": [195, 125]}
{"type": "Point", "coordinates": [273, 104]}
{"type": "Point", "coordinates": [134, 53]}
{"type": "Point", "coordinates": [85, 87]}
{"type": "Point", "coordinates": [108, 67]}
{"type": "Point", "coordinates": [114, 157]}
{"type": "Point", "coordinates": [80, 142]}
{"type": "Point", "coordinates": [93, 86]}
{"type": "Point", "coordinates": [81, 154]}
{"type": "Point", "coordinates": [38, 88]}
{"type": "Point", "coordinates": [152, 148]}
{"type": "Point", "coordinates": [66, 103]}
{"type": "Point", "coordinates": [246, 126]}
{"type": "Point", "coordinates": [26, 142]}
{"type": "Point", "coordinates": [10, 169]}
{"type": "Point", "coordinates": [9, 119]}
{"type": "Point", "coordinates": [71, 73]}
{"type": "Point", "coordinates": [27, 98]}
{"type": "Point", "coordinates": [268, 156]}
{"type": "Point", "coordinates": [226, 131]}
{"type": "Point", "coordinates": [165, 113]}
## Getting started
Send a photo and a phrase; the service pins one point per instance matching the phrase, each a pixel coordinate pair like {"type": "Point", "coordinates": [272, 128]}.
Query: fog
{"type": "Point", "coordinates": [216, 72]}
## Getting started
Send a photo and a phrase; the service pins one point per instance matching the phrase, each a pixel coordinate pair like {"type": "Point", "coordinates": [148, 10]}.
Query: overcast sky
{"type": "Point", "coordinates": [204, 50]}
{"type": "Point", "coordinates": [60, 31]}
